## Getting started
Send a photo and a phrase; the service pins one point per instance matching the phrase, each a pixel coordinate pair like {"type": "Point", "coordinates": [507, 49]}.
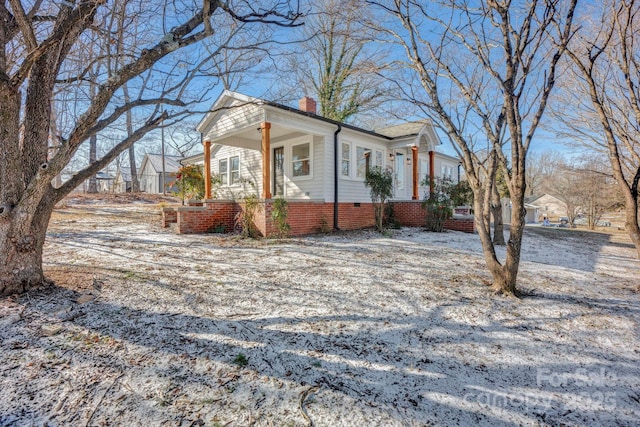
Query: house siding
{"type": "Point", "coordinates": [149, 179]}
{"type": "Point", "coordinates": [235, 118]}
{"type": "Point", "coordinates": [352, 188]}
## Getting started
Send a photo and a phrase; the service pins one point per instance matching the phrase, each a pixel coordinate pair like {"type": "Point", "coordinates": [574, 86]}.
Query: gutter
{"type": "Point", "coordinates": [335, 177]}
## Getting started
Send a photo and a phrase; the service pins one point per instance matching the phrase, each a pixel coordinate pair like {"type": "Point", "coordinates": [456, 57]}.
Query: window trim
{"type": "Point", "coordinates": [229, 173]}
{"type": "Point", "coordinates": [224, 178]}
{"type": "Point", "coordinates": [366, 150]}
{"type": "Point", "coordinates": [348, 175]}
{"type": "Point", "coordinates": [233, 183]}
{"type": "Point", "coordinates": [289, 164]}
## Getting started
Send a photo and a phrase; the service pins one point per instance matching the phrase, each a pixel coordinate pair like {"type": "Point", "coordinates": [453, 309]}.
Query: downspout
{"type": "Point", "coordinates": [335, 177]}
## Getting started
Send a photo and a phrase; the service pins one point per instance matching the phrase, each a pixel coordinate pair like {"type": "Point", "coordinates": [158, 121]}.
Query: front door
{"type": "Point", "coordinates": [278, 171]}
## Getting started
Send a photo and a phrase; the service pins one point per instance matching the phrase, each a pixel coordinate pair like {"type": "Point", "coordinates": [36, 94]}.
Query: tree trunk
{"type": "Point", "coordinates": [631, 222]}
{"type": "Point", "coordinates": [504, 275]}
{"type": "Point", "coordinates": [135, 184]}
{"type": "Point", "coordinates": [496, 212]}
{"type": "Point", "coordinates": [22, 236]}
{"type": "Point", "coordinates": [93, 152]}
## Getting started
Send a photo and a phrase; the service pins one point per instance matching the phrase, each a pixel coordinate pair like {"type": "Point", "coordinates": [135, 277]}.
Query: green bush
{"type": "Point", "coordinates": [438, 204]}
{"type": "Point", "coordinates": [380, 183]}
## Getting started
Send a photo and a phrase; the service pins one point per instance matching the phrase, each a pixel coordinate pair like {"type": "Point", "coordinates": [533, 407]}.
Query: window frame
{"type": "Point", "coordinates": [224, 177]}
{"type": "Point", "coordinates": [232, 181]}
{"type": "Point", "coordinates": [347, 160]}
{"type": "Point", "coordinates": [292, 161]}
{"type": "Point", "coordinates": [362, 162]}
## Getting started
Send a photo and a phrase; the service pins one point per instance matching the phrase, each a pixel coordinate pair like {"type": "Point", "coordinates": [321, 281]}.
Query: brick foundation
{"type": "Point", "coordinates": [305, 217]}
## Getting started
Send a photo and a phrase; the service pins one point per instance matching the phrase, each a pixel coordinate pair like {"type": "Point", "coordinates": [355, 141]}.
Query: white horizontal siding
{"type": "Point", "coordinates": [237, 117]}
{"type": "Point", "coordinates": [352, 188]}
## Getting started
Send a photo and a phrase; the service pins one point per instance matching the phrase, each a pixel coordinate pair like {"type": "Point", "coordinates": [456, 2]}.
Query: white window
{"type": "Point", "coordinates": [379, 158]}
{"type": "Point", "coordinates": [362, 157]}
{"type": "Point", "coordinates": [346, 159]}
{"type": "Point", "coordinates": [223, 170]}
{"type": "Point", "coordinates": [301, 159]}
{"type": "Point", "coordinates": [424, 169]}
{"type": "Point", "coordinates": [400, 171]}
{"type": "Point", "coordinates": [235, 170]}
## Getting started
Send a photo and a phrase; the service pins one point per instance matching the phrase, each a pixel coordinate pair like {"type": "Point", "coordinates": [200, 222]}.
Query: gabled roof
{"type": "Point", "coordinates": [403, 129]}
{"type": "Point", "coordinates": [103, 175]}
{"type": "Point", "coordinates": [171, 163]}
{"type": "Point", "coordinates": [125, 173]}
{"type": "Point", "coordinates": [222, 104]}
{"type": "Point", "coordinates": [533, 198]}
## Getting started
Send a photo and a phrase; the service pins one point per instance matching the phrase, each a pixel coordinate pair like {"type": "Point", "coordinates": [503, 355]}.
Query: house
{"type": "Point", "coordinates": [122, 181]}
{"type": "Point", "coordinates": [150, 173]}
{"type": "Point", "coordinates": [538, 207]}
{"type": "Point", "coordinates": [548, 206]}
{"type": "Point", "coordinates": [317, 164]}
{"type": "Point", "coordinates": [531, 216]}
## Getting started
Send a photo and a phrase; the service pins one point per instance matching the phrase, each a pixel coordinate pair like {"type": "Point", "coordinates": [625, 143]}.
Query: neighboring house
{"type": "Point", "coordinates": [532, 212]}
{"type": "Point", "coordinates": [104, 182]}
{"type": "Point", "coordinates": [150, 173]}
{"type": "Point", "coordinates": [272, 150]}
{"type": "Point", "coordinates": [538, 207]}
{"type": "Point", "coordinates": [548, 206]}
{"type": "Point", "coordinates": [122, 181]}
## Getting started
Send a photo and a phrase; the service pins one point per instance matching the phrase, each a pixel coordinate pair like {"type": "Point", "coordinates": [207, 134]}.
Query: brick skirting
{"type": "Point", "coordinates": [305, 217]}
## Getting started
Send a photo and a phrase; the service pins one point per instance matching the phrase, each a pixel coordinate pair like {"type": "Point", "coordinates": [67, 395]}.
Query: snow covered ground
{"type": "Point", "coordinates": [145, 327]}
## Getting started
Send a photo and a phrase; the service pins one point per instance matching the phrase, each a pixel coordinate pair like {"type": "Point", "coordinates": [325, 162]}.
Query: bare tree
{"type": "Point", "coordinates": [587, 188]}
{"type": "Point", "coordinates": [541, 168]}
{"type": "Point", "coordinates": [486, 68]}
{"type": "Point", "coordinates": [337, 61]}
{"type": "Point", "coordinates": [606, 78]}
{"type": "Point", "coordinates": [36, 45]}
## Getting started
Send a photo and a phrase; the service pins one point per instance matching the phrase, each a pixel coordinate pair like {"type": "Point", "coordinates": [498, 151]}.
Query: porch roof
{"type": "Point", "coordinates": [243, 128]}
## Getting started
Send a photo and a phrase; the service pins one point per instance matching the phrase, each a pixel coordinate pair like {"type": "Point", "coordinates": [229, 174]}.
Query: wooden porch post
{"type": "Point", "coordinates": [207, 170]}
{"type": "Point", "coordinates": [266, 160]}
{"type": "Point", "coordinates": [432, 175]}
{"type": "Point", "coordinates": [414, 165]}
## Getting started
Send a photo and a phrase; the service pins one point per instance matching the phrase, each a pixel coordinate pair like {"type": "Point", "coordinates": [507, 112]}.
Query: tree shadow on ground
{"type": "Point", "coordinates": [414, 369]}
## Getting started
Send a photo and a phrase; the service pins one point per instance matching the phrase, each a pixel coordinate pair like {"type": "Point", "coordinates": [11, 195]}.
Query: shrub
{"type": "Point", "coordinates": [247, 220]}
{"type": "Point", "coordinates": [438, 204]}
{"type": "Point", "coordinates": [279, 214]}
{"type": "Point", "coordinates": [380, 183]}
{"type": "Point", "coordinates": [190, 182]}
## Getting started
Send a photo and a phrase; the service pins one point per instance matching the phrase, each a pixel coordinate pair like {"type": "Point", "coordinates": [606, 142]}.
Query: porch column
{"type": "Point", "coordinates": [432, 175]}
{"type": "Point", "coordinates": [414, 165]}
{"type": "Point", "coordinates": [207, 170]}
{"type": "Point", "coordinates": [266, 160]}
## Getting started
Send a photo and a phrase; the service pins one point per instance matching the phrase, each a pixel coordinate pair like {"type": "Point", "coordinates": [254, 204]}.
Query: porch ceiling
{"type": "Point", "coordinates": [251, 136]}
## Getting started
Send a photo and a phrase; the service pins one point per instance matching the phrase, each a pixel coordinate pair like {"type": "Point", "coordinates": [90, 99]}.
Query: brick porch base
{"type": "Point", "coordinates": [305, 217]}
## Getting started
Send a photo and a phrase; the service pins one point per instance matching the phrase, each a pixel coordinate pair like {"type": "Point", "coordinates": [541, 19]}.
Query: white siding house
{"type": "Point", "coordinates": [150, 173]}
{"type": "Point", "coordinates": [302, 160]}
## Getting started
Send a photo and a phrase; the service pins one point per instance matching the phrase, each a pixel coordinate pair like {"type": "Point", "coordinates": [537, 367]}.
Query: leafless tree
{"type": "Point", "coordinates": [587, 188]}
{"type": "Point", "coordinates": [485, 68]}
{"type": "Point", "coordinates": [337, 62]}
{"type": "Point", "coordinates": [605, 109]}
{"type": "Point", "coordinates": [541, 168]}
{"type": "Point", "coordinates": [36, 47]}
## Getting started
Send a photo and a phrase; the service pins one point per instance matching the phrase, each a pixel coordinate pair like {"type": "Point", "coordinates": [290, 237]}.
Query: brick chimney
{"type": "Point", "coordinates": [307, 105]}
